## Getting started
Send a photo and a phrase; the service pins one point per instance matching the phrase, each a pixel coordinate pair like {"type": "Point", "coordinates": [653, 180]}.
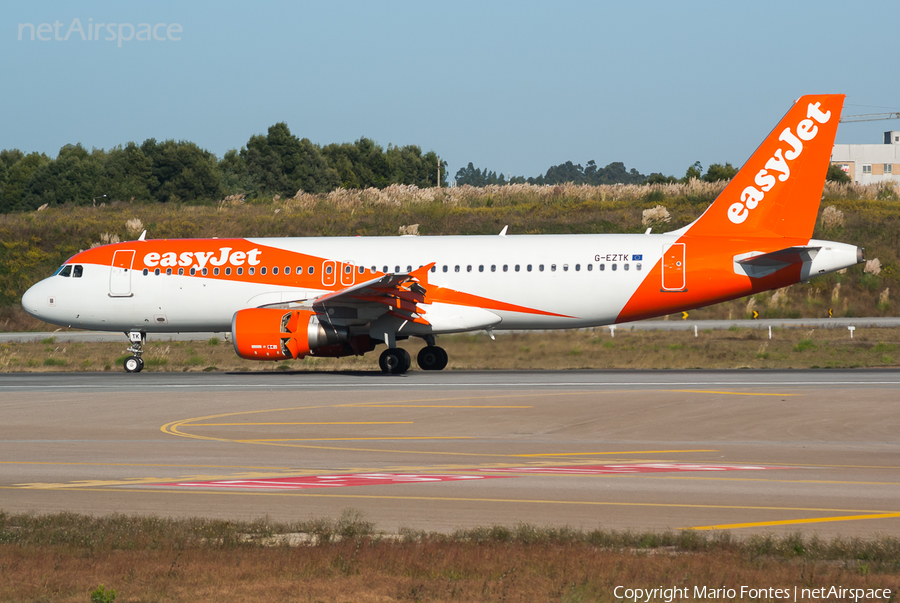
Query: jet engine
{"type": "Point", "coordinates": [273, 334]}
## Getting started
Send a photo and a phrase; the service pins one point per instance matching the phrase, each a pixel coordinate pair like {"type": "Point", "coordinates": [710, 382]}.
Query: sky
{"type": "Point", "coordinates": [510, 86]}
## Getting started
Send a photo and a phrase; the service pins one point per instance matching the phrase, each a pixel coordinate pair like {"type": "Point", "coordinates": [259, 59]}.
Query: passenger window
{"type": "Point", "coordinates": [228, 271]}
{"type": "Point", "coordinates": [240, 271]}
{"type": "Point", "coordinates": [434, 268]}
{"type": "Point", "coordinates": [613, 267]}
{"type": "Point", "coordinates": [215, 272]}
{"type": "Point", "coordinates": [311, 270]}
{"type": "Point", "coordinates": [67, 271]}
{"type": "Point", "coordinates": [565, 267]}
{"type": "Point", "coordinates": [493, 267]}
{"type": "Point", "coordinates": [602, 267]}
{"type": "Point", "coordinates": [481, 268]}
{"type": "Point", "coordinates": [348, 269]}
{"type": "Point", "coordinates": [328, 270]}
{"type": "Point", "coordinates": [169, 271]}
{"type": "Point", "coordinates": [445, 269]}
{"type": "Point", "coordinates": [517, 267]}
{"type": "Point", "coordinates": [577, 267]}
{"type": "Point", "coordinates": [78, 270]}
{"type": "Point", "coordinates": [385, 269]}
{"type": "Point", "coordinates": [287, 269]}
{"type": "Point", "coordinates": [146, 272]}
{"type": "Point", "coordinates": [505, 268]}
{"type": "Point", "coordinates": [181, 271]}
{"type": "Point", "coordinates": [397, 269]}
{"type": "Point", "coordinates": [626, 266]}
{"type": "Point", "coordinates": [203, 272]}
{"type": "Point", "coordinates": [590, 267]}
{"type": "Point", "coordinates": [156, 272]}
{"type": "Point", "coordinates": [274, 270]}
{"type": "Point", "coordinates": [263, 270]}
{"type": "Point", "coordinates": [469, 268]}
{"type": "Point", "coordinates": [362, 269]}
{"type": "Point", "coordinates": [251, 270]}
{"type": "Point", "coordinates": [193, 271]}
{"type": "Point", "coordinates": [638, 266]}
{"type": "Point", "coordinates": [528, 268]}
{"type": "Point", "coordinates": [456, 269]}
{"type": "Point", "coordinates": [541, 267]}
{"type": "Point", "coordinates": [299, 271]}
{"type": "Point", "coordinates": [552, 267]}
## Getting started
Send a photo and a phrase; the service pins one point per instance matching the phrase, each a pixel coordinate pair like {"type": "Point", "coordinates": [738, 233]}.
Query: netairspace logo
{"type": "Point", "coordinates": [95, 32]}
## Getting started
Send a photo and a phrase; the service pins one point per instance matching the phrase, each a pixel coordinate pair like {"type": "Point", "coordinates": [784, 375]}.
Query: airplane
{"type": "Point", "coordinates": [288, 298]}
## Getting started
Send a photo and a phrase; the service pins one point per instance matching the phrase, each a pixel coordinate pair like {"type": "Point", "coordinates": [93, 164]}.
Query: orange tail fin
{"type": "Point", "coordinates": [777, 191]}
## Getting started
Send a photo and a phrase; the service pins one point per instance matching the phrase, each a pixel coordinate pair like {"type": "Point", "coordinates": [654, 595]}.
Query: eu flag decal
{"type": "Point", "coordinates": [637, 256]}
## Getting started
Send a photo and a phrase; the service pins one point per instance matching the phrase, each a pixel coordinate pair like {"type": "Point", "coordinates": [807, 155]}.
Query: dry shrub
{"type": "Point", "coordinates": [873, 266]}
{"type": "Point", "coordinates": [134, 226]}
{"type": "Point", "coordinates": [655, 215]}
{"type": "Point", "coordinates": [832, 217]}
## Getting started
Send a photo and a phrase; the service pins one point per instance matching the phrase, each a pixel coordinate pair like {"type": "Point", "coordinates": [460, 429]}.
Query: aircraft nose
{"type": "Point", "coordinates": [31, 300]}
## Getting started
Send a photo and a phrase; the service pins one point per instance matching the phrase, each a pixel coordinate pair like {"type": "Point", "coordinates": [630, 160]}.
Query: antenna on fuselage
{"type": "Point", "coordinates": [143, 234]}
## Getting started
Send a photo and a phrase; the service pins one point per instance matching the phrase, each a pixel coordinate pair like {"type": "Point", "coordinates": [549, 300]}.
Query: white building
{"type": "Point", "coordinates": [870, 163]}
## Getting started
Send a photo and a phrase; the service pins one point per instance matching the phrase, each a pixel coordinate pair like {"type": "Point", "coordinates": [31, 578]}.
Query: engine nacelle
{"type": "Point", "coordinates": [273, 334]}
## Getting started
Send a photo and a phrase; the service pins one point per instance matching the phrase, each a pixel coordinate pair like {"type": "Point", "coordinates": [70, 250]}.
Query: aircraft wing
{"type": "Point", "coordinates": [397, 294]}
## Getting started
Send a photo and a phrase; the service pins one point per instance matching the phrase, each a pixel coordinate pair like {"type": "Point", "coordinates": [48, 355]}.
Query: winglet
{"type": "Point", "coordinates": [421, 274]}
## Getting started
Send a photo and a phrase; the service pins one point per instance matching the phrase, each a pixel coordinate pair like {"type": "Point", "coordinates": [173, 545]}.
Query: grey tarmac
{"type": "Point", "coordinates": [748, 451]}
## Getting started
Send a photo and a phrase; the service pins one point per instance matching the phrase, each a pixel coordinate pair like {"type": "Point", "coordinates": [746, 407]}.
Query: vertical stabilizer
{"type": "Point", "coordinates": [777, 191]}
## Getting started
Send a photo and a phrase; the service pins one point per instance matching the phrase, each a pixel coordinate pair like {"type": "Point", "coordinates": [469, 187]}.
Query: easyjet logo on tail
{"type": "Point", "coordinates": [777, 168]}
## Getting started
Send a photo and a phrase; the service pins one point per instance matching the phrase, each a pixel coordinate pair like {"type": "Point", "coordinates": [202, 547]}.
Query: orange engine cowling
{"type": "Point", "coordinates": [273, 334]}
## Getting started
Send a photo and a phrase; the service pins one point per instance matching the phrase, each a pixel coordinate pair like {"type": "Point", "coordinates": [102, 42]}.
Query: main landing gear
{"type": "Point", "coordinates": [134, 363]}
{"type": "Point", "coordinates": [396, 361]}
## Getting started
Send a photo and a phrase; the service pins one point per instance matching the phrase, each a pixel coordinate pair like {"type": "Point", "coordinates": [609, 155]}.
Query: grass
{"type": "Point", "coordinates": [64, 557]}
{"type": "Point", "coordinates": [551, 350]}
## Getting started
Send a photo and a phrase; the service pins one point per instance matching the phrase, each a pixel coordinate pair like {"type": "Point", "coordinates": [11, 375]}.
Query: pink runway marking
{"type": "Point", "coordinates": [332, 481]}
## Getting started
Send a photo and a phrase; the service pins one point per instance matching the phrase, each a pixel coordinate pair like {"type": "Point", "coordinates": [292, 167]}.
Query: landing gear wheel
{"type": "Point", "coordinates": [133, 364]}
{"type": "Point", "coordinates": [395, 361]}
{"type": "Point", "coordinates": [432, 358]}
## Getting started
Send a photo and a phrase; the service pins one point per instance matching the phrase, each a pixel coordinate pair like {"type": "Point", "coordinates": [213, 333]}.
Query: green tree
{"type": "Point", "coordinates": [717, 172]}
{"type": "Point", "coordinates": [695, 172]}
{"type": "Point", "coordinates": [182, 171]}
{"type": "Point", "coordinates": [70, 178]}
{"type": "Point", "coordinates": [235, 175]}
{"type": "Point", "coordinates": [836, 174]}
{"type": "Point", "coordinates": [280, 163]}
{"type": "Point", "coordinates": [18, 179]}
{"type": "Point", "coordinates": [127, 174]}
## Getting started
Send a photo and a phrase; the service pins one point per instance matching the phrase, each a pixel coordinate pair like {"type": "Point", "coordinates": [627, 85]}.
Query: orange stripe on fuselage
{"type": "Point", "coordinates": [241, 253]}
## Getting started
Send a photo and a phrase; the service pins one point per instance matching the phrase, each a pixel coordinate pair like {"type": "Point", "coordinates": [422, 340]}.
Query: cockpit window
{"type": "Point", "coordinates": [77, 271]}
{"type": "Point", "coordinates": [66, 270]}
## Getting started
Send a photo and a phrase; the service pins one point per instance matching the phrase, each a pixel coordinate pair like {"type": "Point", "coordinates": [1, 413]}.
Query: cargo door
{"type": "Point", "coordinates": [673, 271]}
{"type": "Point", "coordinates": [120, 273]}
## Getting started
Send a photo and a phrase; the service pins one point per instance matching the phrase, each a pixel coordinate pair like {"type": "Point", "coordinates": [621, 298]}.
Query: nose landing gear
{"type": "Point", "coordinates": [134, 363]}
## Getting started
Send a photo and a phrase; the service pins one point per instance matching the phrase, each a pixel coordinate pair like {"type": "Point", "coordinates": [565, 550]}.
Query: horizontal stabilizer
{"type": "Point", "coordinates": [782, 257]}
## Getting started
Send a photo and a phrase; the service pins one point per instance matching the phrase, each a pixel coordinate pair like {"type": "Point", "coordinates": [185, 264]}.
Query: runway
{"type": "Point", "coordinates": [747, 451]}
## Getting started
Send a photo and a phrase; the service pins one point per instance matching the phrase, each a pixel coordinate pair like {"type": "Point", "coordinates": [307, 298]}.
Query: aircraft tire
{"type": "Point", "coordinates": [133, 364]}
{"type": "Point", "coordinates": [394, 361]}
{"type": "Point", "coordinates": [432, 358]}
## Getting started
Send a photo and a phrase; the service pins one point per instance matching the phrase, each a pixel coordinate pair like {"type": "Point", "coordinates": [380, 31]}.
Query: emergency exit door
{"type": "Point", "coordinates": [120, 273]}
{"type": "Point", "coordinates": [673, 272]}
